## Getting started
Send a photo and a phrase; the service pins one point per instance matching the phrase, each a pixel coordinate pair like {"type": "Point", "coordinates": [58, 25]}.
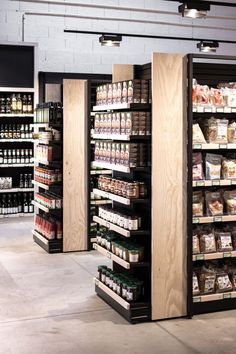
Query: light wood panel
{"type": "Point", "coordinates": [75, 174]}
{"type": "Point", "coordinates": [53, 93]}
{"type": "Point", "coordinates": [169, 176]}
{"type": "Point", "coordinates": [122, 72]}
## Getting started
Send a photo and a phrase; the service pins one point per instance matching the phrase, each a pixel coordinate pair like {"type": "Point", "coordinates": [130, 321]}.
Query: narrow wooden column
{"type": "Point", "coordinates": [75, 170]}
{"type": "Point", "coordinates": [169, 184]}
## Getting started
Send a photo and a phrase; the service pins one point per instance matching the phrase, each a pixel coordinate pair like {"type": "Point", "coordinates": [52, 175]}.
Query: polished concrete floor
{"type": "Point", "coordinates": [48, 306]}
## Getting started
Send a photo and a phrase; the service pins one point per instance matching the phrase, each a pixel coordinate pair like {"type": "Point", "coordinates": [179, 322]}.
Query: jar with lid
{"type": "Point", "coordinates": [114, 285]}
{"type": "Point", "coordinates": [124, 188]}
{"type": "Point", "coordinates": [103, 241]}
{"type": "Point", "coordinates": [100, 270]}
{"type": "Point", "coordinates": [133, 223]}
{"type": "Point", "coordinates": [133, 190]}
{"type": "Point", "coordinates": [125, 254]}
{"type": "Point", "coordinates": [118, 190]}
{"type": "Point", "coordinates": [124, 290]}
{"type": "Point", "coordinates": [142, 190]}
{"type": "Point", "coordinates": [111, 280]}
{"type": "Point", "coordinates": [117, 249]}
{"type": "Point", "coordinates": [126, 222]}
{"type": "Point", "coordinates": [131, 293]}
{"type": "Point", "coordinates": [113, 247]}
{"type": "Point", "coordinates": [103, 274]}
{"type": "Point", "coordinates": [119, 286]}
{"type": "Point", "coordinates": [133, 255]}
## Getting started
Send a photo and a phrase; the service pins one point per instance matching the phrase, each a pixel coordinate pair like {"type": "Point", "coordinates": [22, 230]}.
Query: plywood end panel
{"type": "Point", "coordinates": [122, 72]}
{"type": "Point", "coordinates": [169, 183]}
{"type": "Point", "coordinates": [75, 174]}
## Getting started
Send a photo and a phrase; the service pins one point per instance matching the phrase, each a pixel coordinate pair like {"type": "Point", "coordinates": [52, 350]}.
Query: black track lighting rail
{"type": "Point", "coordinates": [134, 35]}
{"type": "Point", "coordinates": [197, 2]}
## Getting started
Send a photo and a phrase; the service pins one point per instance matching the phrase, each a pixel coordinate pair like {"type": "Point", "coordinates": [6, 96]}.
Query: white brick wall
{"type": "Point", "coordinates": [59, 51]}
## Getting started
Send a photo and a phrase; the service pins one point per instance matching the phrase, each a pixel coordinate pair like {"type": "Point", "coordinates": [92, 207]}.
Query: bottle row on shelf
{"type": "Point", "coordinates": [124, 123]}
{"type": "Point", "coordinates": [122, 187]}
{"type": "Point", "coordinates": [49, 112]}
{"type": "Point", "coordinates": [46, 153]}
{"type": "Point", "coordinates": [126, 250]}
{"type": "Point", "coordinates": [124, 285]}
{"type": "Point", "coordinates": [48, 226]}
{"type": "Point", "coordinates": [129, 154]}
{"type": "Point", "coordinates": [16, 156]}
{"type": "Point", "coordinates": [211, 277]}
{"type": "Point", "coordinates": [127, 221]}
{"type": "Point", "coordinates": [15, 131]}
{"type": "Point", "coordinates": [16, 203]}
{"type": "Point", "coordinates": [132, 91]}
{"type": "Point", "coordinates": [49, 200]}
{"type": "Point", "coordinates": [16, 103]}
{"type": "Point", "coordinates": [47, 176]}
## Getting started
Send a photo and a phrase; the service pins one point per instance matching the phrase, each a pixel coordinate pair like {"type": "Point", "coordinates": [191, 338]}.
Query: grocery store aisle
{"type": "Point", "coordinates": [48, 305]}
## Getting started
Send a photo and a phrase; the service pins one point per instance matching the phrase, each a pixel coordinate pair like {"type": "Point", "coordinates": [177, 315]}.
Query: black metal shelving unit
{"type": "Point", "coordinates": [50, 245]}
{"type": "Point", "coordinates": [207, 70]}
{"type": "Point", "coordinates": [136, 311]}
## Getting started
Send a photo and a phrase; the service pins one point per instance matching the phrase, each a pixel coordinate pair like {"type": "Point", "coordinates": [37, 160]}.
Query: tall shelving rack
{"type": "Point", "coordinates": [208, 70]}
{"type": "Point", "coordinates": [139, 310]}
{"type": "Point", "coordinates": [23, 83]}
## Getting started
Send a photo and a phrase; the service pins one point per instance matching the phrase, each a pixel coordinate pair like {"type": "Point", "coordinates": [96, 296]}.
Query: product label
{"type": "Point", "coordinates": [217, 219]}
{"type": "Point", "coordinates": [227, 296]}
{"type": "Point", "coordinates": [200, 257]}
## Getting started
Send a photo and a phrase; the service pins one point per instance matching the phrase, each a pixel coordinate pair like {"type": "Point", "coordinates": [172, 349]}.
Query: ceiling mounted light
{"type": "Point", "coordinates": [207, 47]}
{"type": "Point", "coordinates": [110, 40]}
{"type": "Point", "coordinates": [194, 9]}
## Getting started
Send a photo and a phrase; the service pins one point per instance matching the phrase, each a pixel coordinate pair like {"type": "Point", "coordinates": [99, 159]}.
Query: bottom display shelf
{"type": "Point", "coordinates": [134, 312]}
{"type": "Point", "coordinates": [18, 215]}
{"type": "Point", "coordinates": [50, 246]}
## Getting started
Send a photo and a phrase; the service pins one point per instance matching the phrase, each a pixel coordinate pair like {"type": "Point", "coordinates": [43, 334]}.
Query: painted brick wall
{"type": "Point", "coordinates": [59, 51]}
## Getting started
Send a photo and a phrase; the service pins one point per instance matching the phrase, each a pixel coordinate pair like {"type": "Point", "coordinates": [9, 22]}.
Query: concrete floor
{"type": "Point", "coordinates": [48, 306]}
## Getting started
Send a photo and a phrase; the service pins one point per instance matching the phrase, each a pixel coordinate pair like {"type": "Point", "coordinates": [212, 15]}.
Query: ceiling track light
{"type": "Point", "coordinates": [194, 9]}
{"type": "Point", "coordinates": [110, 40]}
{"type": "Point", "coordinates": [208, 46]}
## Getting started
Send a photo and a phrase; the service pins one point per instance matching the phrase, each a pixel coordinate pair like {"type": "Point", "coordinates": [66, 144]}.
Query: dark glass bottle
{"type": "Point", "coordinates": [25, 204]}
{"type": "Point", "coordinates": [21, 184]}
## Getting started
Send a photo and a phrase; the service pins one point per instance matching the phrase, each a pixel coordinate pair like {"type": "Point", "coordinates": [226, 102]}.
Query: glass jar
{"type": "Point", "coordinates": [111, 280]}
{"type": "Point", "coordinates": [124, 189]}
{"type": "Point", "coordinates": [100, 270]}
{"type": "Point", "coordinates": [133, 223]}
{"type": "Point", "coordinates": [124, 290]}
{"type": "Point", "coordinates": [133, 255]}
{"type": "Point", "coordinates": [126, 222]}
{"type": "Point", "coordinates": [125, 254]}
{"type": "Point", "coordinates": [131, 293]}
{"type": "Point", "coordinates": [112, 185]}
{"type": "Point", "coordinates": [114, 285]}
{"type": "Point", "coordinates": [103, 274]}
{"type": "Point", "coordinates": [133, 190]}
{"type": "Point", "coordinates": [119, 287]}
{"type": "Point", "coordinates": [99, 238]}
{"type": "Point", "coordinates": [142, 190]}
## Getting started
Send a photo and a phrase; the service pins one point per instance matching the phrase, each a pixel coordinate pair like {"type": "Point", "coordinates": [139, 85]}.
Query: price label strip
{"type": "Point", "coordinates": [227, 296]}
{"type": "Point", "coordinates": [227, 254]}
{"type": "Point", "coordinates": [197, 146]}
{"type": "Point", "coordinates": [197, 299]}
{"type": "Point", "coordinates": [195, 220]}
{"type": "Point", "coordinates": [216, 182]}
{"type": "Point", "coordinates": [217, 219]}
{"type": "Point", "coordinates": [200, 183]}
{"type": "Point", "coordinates": [223, 146]}
{"type": "Point", "coordinates": [200, 257]}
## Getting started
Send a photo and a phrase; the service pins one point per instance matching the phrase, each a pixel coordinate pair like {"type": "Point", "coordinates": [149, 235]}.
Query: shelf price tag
{"type": "Point", "coordinates": [227, 254]}
{"type": "Point", "coordinates": [200, 109]}
{"type": "Point", "coordinates": [220, 110]}
{"type": "Point", "coordinates": [227, 110]}
{"type": "Point", "coordinates": [233, 110]}
{"type": "Point", "coordinates": [217, 219]}
{"type": "Point", "coordinates": [216, 182]}
{"type": "Point", "coordinates": [109, 255]}
{"type": "Point", "coordinates": [233, 181]}
{"type": "Point", "coordinates": [223, 146]}
{"type": "Point", "coordinates": [197, 146]}
{"type": "Point", "coordinates": [195, 220]}
{"type": "Point", "coordinates": [199, 257]}
{"type": "Point", "coordinates": [227, 296]}
{"type": "Point", "coordinates": [196, 299]}
{"type": "Point", "coordinates": [208, 110]}
{"type": "Point", "coordinates": [200, 183]}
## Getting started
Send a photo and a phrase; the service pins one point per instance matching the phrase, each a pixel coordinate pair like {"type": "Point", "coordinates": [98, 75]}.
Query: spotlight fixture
{"type": "Point", "coordinates": [194, 9]}
{"type": "Point", "coordinates": [208, 46]}
{"type": "Point", "coordinates": [110, 40]}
